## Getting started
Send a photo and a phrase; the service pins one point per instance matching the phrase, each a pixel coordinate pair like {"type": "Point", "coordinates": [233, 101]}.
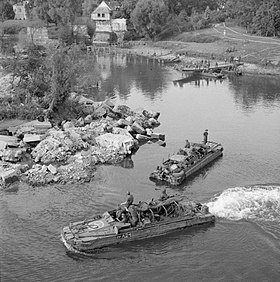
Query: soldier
{"type": "Point", "coordinates": [205, 136]}
{"type": "Point", "coordinates": [129, 200]}
{"type": "Point", "coordinates": [187, 144]}
{"type": "Point", "coordinates": [163, 196]}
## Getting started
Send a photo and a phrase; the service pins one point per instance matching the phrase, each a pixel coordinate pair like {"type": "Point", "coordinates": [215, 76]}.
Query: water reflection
{"type": "Point", "coordinates": [250, 91]}
{"type": "Point", "coordinates": [127, 162]}
{"type": "Point", "coordinates": [194, 78]}
{"type": "Point", "coordinates": [120, 74]}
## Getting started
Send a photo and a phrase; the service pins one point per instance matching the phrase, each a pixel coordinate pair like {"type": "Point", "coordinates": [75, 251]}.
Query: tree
{"type": "Point", "coordinates": [62, 77]}
{"type": "Point", "coordinates": [64, 11]}
{"type": "Point", "coordinates": [127, 8]}
{"type": "Point", "coordinates": [242, 10]}
{"type": "Point", "coordinates": [88, 7]}
{"type": "Point", "coordinates": [149, 16]}
{"type": "Point", "coordinates": [6, 11]}
{"type": "Point", "coordinates": [266, 22]}
{"type": "Point", "coordinates": [60, 12]}
{"type": "Point", "coordinates": [40, 9]}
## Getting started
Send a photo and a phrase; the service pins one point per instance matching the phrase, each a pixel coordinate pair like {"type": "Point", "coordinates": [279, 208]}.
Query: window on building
{"type": "Point", "coordinates": [98, 15]}
{"type": "Point", "coordinates": [103, 15]}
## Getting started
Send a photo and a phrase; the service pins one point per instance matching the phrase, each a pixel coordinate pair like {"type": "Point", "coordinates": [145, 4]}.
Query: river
{"type": "Point", "coordinates": [242, 188]}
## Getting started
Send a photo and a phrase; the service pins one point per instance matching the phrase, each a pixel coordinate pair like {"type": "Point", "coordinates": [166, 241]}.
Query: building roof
{"type": "Point", "coordinates": [102, 8]}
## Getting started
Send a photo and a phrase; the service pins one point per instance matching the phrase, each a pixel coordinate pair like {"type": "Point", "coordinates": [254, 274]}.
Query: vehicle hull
{"type": "Point", "coordinates": [137, 233]}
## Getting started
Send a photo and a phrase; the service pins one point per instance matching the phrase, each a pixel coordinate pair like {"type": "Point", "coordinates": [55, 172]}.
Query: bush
{"type": "Point", "coordinates": [9, 109]}
{"type": "Point", "coordinates": [113, 38]}
{"type": "Point", "coordinates": [14, 29]}
{"type": "Point", "coordinates": [131, 35]}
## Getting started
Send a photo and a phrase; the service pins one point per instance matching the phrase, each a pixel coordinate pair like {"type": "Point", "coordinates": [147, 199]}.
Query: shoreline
{"type": "Point", "coordinates": [152, 51]}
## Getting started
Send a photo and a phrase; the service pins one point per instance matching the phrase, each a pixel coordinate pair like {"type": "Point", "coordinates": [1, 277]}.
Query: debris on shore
{"type": "Point", "coordinates": [40, 152]}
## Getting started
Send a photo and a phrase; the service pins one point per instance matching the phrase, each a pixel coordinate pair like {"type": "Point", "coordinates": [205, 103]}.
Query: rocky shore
{"type": "Point", "coordinates": [39, 153]}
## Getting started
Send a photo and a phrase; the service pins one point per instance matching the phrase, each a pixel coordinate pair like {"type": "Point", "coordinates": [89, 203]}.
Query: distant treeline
{"type": "Point", "coordinates": [158, 19]}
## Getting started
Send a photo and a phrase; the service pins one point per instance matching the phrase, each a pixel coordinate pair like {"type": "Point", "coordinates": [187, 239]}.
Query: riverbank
{"type": "Point", "coordinates": [162, 52]}
{"type": "Point", "coordinates": [219, 43]}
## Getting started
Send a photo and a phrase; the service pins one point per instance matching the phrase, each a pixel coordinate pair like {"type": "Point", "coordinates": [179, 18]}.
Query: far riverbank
{"type": "Point", "coordinates": [158, 52]}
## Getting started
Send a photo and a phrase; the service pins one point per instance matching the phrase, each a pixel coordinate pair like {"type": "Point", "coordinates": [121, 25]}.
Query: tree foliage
{"type": "Point", "coordinates": [59, 12]}
{"type": "Point", "coordinates": [266, 22]}
{"type": "Point", "coordinates": [6, 11]}
{"type": "Point", "coordinates": [62, 77]}
{"type": "Point", "coordinates": [88, 7]}
{"type": "Point", "coordinates": [149, 16]}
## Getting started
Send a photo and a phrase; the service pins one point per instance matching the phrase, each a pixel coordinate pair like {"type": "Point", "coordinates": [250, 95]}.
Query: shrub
{"type": "Point", "coordinates": [14, 29]}
{"type": "Point", "coordinates": [131, 35]}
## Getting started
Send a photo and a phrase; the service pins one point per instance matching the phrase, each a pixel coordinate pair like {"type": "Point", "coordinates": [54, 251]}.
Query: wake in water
{"type": "Point", "coordinates": [259, 202]}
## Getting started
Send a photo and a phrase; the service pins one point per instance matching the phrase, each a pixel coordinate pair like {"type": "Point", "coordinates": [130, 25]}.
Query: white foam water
{"type": "Point", "coordinates": [259, 202]}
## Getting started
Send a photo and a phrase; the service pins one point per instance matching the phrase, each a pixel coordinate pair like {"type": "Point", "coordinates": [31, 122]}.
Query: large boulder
{"type": "Point", "coordinates": [79, 168]}
{"type": "Point", "coordinates": [11, 155]}
{"type": "Point", "coordinates": [124, 144]}
{"type": "Point", "coordinates": [58, 146]}
{"type": "Point", "coordinates": [123, 111]}
{"type": "Point", "coordinates": [10, 173]}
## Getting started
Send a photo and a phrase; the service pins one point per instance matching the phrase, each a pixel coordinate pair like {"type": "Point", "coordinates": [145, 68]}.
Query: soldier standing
{"type": "Point", "coordinates": [205, 136]}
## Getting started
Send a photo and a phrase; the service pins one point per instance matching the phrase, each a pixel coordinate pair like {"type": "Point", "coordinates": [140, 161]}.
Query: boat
{"type": "Point", "coordinates": [183, 164]}
{"type": "Point", "coordinates": [191, 69]}
{"type": "Point", "coordinates": [214, 75]}
{"type": "Point", "coordinates": [155, 218]}
{"type": "Point", "coordinates": [232, 72]}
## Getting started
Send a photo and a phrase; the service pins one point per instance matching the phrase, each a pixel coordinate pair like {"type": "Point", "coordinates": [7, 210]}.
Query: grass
{"type": "Point", "coordinates": [212, 42]}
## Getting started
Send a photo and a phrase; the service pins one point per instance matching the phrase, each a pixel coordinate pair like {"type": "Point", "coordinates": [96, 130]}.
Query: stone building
{"type": "Point", "coordinates": [105, 24]}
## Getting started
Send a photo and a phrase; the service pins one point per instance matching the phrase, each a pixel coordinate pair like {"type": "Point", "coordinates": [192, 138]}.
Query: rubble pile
{"type": "Point", "coordinates": [70, 153]}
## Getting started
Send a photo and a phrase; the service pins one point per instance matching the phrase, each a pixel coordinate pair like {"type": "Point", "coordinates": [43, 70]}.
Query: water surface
{"type": "Point", "coordinates": [242, 188]}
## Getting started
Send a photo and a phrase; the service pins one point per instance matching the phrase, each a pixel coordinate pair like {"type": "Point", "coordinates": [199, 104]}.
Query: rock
{"type": "Point", "coordinates": [100, 112]}
{"type": "Point", "coordinates": [149, 132]}
{"type": "Point", "coordinates": [52, 169]}
{"type": "Point", "coordinates": [31, 138]}
{"type": "Point", "coordinates": [3, 145]}
{"type": "Point", "coordinates": [109, 103]}
{"type": "Point", "coordinates": [80, 122]}
{"type": "Point", "coordinates": [11, 155]}
{"type": "Point", "coordinates": [129, 119]}
{"type": "Point", "coordinates": [150, 114]}
{"type": "Point", "coordinates": [158, 136]}
{"type": "Point", "coordinates": [138, 128]}
{"type": "Point", "coordinates": [9, 177]}
{"type": "Point", "coordinates": [68, 124]}
{"type": "Point", "coordinates": [44, 169]}
{"type": "Point", "coordinates": [11, 141]}
{"type": "Point", "coordinates": [142, 138]}
{"type": "Point", "coordinates": [129, 129]}
{"type": "Point", "coordinates": [85, 101]}
{"type": "Point", "coordinates": [122, 122]}
{"type": "Point", "coordinates": [123, 111]}
{"type": "Point", "coordinates": [88, 119]}
{"type": "Point", "coordinates": [161, 143]}
{"type": "Point", "coordinates": [122, 131]}
{"type": "Point", "coordinates": [121, 143]}
{"type": "Point", "coordinates": [154, 122]}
